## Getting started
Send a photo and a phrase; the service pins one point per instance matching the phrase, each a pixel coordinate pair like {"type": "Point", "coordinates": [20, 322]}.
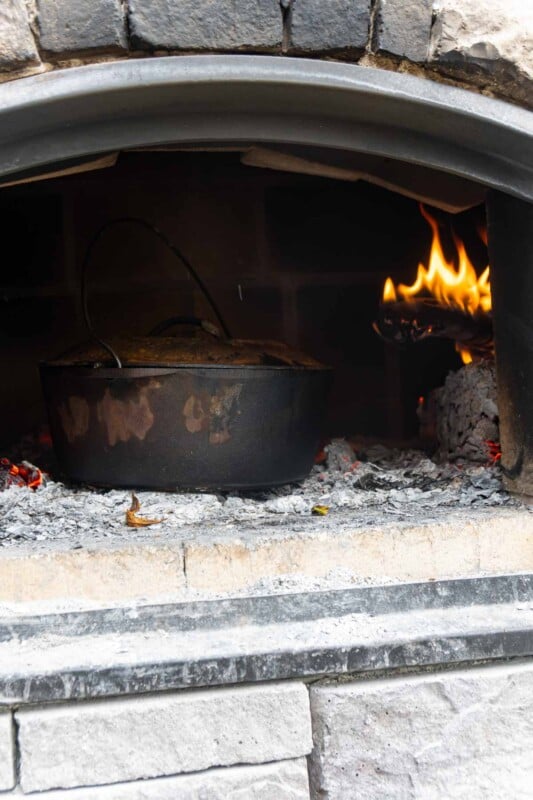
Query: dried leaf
{"type": "Point", "coordinates": [134, 521]}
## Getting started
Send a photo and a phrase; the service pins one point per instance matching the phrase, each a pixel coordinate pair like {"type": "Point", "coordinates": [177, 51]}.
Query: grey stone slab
{"type": "Point", "coordinates": [273, 609]}
{"type": "Point", "coordinates": [205, 24]}
{"type": "Point", "coordinates": [241, 647]}
{"type": "Point", "coordinates": [281, 780]}
{"type": "Point", "coordinates": [17, 45]}
{"type": "Point", "coordinates": [67, 26]}
{"type": "Point", "coordinates": [7, 751]}
{"type": "Point", "coordinates": [320, 26]}
{"type": "Point", "coordinates": [153, 736]}
{"type": "Point", "coordinates": [403, 27]}
{"type": "Point", "coordinates": [460, 734]}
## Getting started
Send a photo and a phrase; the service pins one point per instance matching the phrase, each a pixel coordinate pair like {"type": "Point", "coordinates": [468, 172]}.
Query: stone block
{"type": "Point", "coordinates": [96, 576]}
{"type": "Point", "coordinates": [282, 780]}
{"type": "Point", "coordinates": [495, 544]}
{"type": "Point", "coordinates": [219, 559]}
{"type": "Point", "coordinates": [17, 46]}
{"type": "Point", "coordinates": [488, 41]}
{"type": "Point", "coordinates": [155, 736]}
{"type": "Point", "coordinates": [457, 734]}
{"type": "Point", "coordinates": [7, 752]}
{"type": "Point", "coordinates": [335, 25]}
{"type": "Point", "coordinates": [67, 26]}
{"type": "Point", "coordinates": [205, 24]}
{"type": "Point", "coordinates": [403, 27]}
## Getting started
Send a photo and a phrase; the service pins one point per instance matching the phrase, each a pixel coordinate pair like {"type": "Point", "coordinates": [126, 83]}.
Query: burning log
{"type": "Point", "coordinates": [445, 301]}
{"type": "Point", "coordinates": [448, 300]}
{"type": "Point", "coordinates": [410, 321]}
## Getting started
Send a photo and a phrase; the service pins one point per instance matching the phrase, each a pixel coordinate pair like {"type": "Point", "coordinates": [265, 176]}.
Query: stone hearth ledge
{"type": "Point", "coordinates": [288, 554]}
{"type": "Point", "coordinates": [105, 653]}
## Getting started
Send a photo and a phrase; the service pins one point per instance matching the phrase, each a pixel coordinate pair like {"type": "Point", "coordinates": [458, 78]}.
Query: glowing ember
{"type": "Point", "coordinates": [495, 452]}
{"type": "Point", "coordinates": [24, 474]}
{"type": "Point", "coordinates": [454, 283]}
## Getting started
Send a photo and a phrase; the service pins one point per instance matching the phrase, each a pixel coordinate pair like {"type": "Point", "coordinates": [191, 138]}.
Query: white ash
{"type": "Point", "coordinates": [360, 488]}
{"type": "Point", "coordinates": [467, 412]}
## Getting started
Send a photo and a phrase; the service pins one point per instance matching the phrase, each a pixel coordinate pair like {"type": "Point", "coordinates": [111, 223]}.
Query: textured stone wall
{"type": "Point", "coordinates": [121, 740]}
{"type": "Point", "coordinates": [484, 44]}
{"type": "Point", "coordinates": [247, 742]}
{"type": "Point", "coordinates": [459, 733]}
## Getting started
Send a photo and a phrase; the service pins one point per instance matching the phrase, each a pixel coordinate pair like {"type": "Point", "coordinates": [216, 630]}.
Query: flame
{"type": "Point", "coordinates": [389, 292]}
{"type": "Point", "coordinates": [464, 352]}
{"type": "Point", "coordinates": [451, 285]}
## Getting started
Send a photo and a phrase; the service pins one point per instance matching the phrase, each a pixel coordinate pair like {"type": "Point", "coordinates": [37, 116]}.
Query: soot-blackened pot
{"type": "Point", "coordinates": [187, 425]}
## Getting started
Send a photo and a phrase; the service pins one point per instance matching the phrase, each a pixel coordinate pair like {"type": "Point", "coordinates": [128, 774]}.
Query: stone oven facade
{"type": "Point", "coordinates": [289, 655]}
{"type": "Point", "coordinates": [484, 46]}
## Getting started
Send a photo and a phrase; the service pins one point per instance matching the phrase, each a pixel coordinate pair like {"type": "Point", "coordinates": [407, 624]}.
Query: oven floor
{"type": "Point", "coordinates": [394, 516]}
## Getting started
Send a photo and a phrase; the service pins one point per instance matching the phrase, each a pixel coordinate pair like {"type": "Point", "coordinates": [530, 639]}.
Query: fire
{"type": "Point", "coordinates": [452, 283]}
{"type": "Point", "coordinates": [464, 352]}
{"type": "Point", "coordinates": [389, 292]}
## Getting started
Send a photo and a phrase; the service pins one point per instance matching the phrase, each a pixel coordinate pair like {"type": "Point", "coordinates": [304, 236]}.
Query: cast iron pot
{"type": "Point", "coordinates": [186, 427]}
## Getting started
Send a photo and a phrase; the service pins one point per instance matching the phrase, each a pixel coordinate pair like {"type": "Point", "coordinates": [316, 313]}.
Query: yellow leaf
{"type": "Point", "coordinates": [320, 511]}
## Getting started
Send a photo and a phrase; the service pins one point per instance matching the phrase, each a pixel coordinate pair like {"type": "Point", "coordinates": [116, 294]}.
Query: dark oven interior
{"type": "Point", "coordinates": [296, 257]}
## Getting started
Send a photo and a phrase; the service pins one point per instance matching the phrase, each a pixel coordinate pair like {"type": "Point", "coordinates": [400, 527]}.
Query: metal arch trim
{"type": "Point", "coordinates": [77, 112]}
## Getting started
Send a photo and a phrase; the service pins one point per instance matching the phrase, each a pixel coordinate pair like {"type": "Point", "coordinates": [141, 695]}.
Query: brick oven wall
{"type": "Point", "coordinates": [484, 45]}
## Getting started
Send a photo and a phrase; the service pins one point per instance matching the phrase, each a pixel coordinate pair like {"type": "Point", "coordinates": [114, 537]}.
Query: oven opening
{"type": "Point", "coordinates": [329, 314]}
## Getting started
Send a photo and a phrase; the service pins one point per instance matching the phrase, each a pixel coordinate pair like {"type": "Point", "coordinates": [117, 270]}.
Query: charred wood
{"type": "Point", "coordinates": [409, 322]}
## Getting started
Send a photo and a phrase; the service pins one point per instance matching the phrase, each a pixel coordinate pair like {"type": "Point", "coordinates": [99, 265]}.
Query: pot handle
{"type": "Point", "coordinates": [207, 326]}
{"type": "Point", "coordinates": [172, 247]}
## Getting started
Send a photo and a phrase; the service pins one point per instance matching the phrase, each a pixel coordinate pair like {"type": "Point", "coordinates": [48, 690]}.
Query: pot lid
{"type": "Point", "coordinates": [195, 347]}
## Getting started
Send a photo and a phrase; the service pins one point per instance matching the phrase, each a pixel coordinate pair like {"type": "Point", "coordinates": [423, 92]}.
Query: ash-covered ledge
{"type": "Point", "coordinates": [397, 517]}
{"type": "Point", "coordinates": [114, 652]}
{"type": "Point", "coordinates": [281, 553]}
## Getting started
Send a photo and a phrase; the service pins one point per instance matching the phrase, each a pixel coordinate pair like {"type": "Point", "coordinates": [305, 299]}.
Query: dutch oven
{"type": "Point", "coordinates": [190, 411]}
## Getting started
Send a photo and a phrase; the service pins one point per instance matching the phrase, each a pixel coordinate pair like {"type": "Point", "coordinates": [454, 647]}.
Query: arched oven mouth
{"type": "Point", "coordinates": [296, 187]}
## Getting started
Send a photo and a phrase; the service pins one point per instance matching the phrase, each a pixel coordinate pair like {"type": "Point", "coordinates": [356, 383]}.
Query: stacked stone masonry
{"type": "Point", "coordinates": [69, 746]}
{"type": "Point", "coordinates": [486, 45]}
{"type": "Point", "coordinates": [460, 733]}
{"type": "Point", "coordinates": [281, 780]}
{"type": "Point", "coordinates": [18, 49]}
{"type": "Point", "coordinates": [65, 27]}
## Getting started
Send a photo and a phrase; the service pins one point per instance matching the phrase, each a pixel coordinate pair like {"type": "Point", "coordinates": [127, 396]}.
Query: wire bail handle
{"type": "Point", "coordinates": [172, 247]}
